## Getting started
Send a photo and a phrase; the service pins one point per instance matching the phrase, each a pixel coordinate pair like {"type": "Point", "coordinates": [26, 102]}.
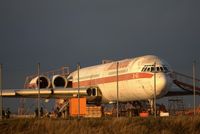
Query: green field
{"type": "Point", "coordinates": [136, 125]}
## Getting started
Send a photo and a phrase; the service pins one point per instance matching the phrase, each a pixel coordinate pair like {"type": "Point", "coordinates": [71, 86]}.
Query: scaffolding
{"type": "Point", "coordinates": [176, 106]}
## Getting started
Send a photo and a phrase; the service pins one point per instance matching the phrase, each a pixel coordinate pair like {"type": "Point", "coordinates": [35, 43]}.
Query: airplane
{"type": "Point", "coordinates": [137, 79]}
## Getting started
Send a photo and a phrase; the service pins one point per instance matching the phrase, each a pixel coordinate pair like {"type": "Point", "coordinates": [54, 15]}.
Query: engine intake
{"type": "Point", "coordinates": [44, 82]}
{"type": "Point", "coordinates": [59, 81]}
{"type": "Point", "coordinates": [92, 91]}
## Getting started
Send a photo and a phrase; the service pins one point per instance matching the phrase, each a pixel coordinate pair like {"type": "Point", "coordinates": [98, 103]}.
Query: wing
{"type": "Point", "coordinates": [45, 93]}
{"type": "Point", "coordinates": [92, 94]}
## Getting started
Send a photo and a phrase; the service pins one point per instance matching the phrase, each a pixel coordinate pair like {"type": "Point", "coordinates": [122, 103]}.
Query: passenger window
{"type": "Point", "coordinates": [161, 69]}
{"type": "Point", "coordinates": [148, 69]}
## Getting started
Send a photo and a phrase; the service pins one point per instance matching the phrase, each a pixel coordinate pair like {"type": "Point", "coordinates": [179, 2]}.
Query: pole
{"type": "Point", "coordinates": [117, 89]}
{"type": "Point", "coordinates": [194, 86]}
{"type": "Point", "coordinates": [38, 71]}
{"type": "Point", "coordinates": [155, 90]}
{"type": "Point", "coordinates": [1, 99]}
{"type": "Point", "coordinates": [78, 69]}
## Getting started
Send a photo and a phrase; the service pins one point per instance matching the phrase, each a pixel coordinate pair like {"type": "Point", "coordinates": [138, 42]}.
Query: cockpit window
{"type": "Point", "coordinates": [151, 68]}
{"type": "Point", "coordinates": [158, 69]}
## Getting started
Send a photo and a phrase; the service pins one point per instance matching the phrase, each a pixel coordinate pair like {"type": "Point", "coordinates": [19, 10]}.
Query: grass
{"type": "Point", "coordinates": [136, 125]}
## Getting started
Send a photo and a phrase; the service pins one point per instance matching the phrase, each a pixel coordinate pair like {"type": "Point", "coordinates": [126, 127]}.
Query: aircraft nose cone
{"type": "Point", "coordinates": [163, 82]}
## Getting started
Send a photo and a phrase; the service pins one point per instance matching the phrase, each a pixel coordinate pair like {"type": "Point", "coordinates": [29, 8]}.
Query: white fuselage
{"type": "Point", "coordinates": [136, 78]}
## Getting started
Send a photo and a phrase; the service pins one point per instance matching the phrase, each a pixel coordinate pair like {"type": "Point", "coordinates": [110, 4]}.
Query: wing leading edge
{"type": "Point", "coordinates": [45, 93]}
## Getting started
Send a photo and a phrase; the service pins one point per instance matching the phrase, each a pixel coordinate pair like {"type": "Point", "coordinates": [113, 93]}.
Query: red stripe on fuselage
{"type": "Point", "coordinates": [109, 79]}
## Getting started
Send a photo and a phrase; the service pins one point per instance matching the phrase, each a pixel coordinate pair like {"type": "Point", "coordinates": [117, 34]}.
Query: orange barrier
{"type": "Point", "coordinates": [73, 106]}
{"type": "Point", "coordinates": [144, 114]}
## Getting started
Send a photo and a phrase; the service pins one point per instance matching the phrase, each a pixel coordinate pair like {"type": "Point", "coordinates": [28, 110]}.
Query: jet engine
{"type": "Point", "coordinates": [92, 91]}
{"type": "Point", "coordinates": [44, 82]}
{"type": "Point", "coordinates": [59, 81]}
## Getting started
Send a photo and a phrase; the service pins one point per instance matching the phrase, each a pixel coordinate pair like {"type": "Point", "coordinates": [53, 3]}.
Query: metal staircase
{"type": "Point", "coordinates": [186, 82]}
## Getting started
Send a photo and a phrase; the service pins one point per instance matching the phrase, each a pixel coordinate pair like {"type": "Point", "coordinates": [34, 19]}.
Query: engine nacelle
{"type": "Point", "coordinates": [92, 91]}
{"type": "Point", "coordinates": [44, 82]}
{"type": "Point", "coordinates": [59, 81]}
{"type": "Point", "coordinates": [94, 96]}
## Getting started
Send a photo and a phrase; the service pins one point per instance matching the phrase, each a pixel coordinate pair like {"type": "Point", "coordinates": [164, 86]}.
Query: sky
{"type": "Point", "coordinates": [67, 32]}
